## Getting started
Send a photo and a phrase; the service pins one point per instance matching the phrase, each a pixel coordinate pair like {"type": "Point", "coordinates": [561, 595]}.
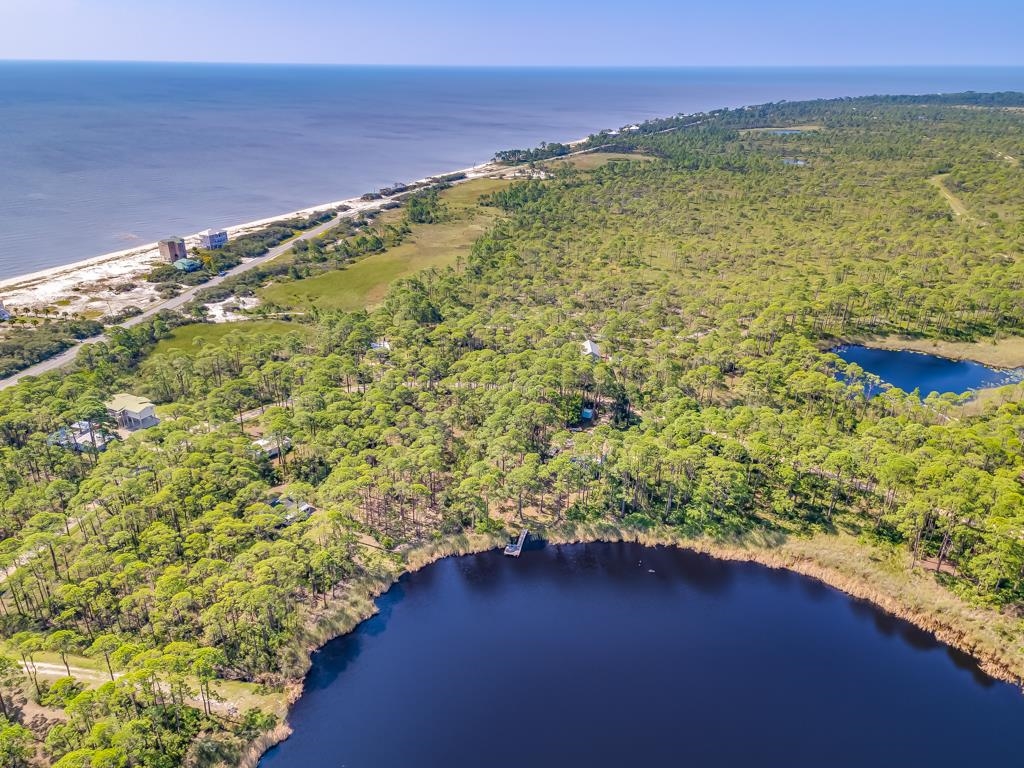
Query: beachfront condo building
{"type": "Point", "coordinates": [212, 239]}
{"type": "Point", "coordinates": [172, 249]}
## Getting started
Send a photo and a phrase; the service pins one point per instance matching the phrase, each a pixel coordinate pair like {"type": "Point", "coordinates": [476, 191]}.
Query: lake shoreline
{"type": "Point", "coordinates": [1002, 354]}
{"type": "Point", "coordinates": [857, 570]}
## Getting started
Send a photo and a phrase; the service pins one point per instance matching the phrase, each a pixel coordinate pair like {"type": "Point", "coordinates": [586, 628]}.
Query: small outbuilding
{"type": "Point", "coordinates": [591, 350]}
{"type": "Point", "coordinates": [81, 437]}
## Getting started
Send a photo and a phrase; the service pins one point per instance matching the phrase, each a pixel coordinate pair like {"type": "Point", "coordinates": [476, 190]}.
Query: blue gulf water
{"type": "Point", "coordinates": [927, 373]}
{"type": "Point", "coordinates": [96, 157]}
{"type": "Point", "coordinates": [614, 655]}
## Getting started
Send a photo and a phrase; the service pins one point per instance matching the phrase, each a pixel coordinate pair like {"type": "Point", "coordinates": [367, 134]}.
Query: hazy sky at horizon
{"type": "Point", "coordinates": [525, 32]}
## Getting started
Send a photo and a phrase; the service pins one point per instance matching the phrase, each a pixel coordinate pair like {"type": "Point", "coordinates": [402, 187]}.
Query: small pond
{"type": "Point", "coordinates": [612, 655]}
{"type": "Point", "coordinates": [927, 373]}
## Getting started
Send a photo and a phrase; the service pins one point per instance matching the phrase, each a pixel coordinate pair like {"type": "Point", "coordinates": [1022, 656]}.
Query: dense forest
{"type": "Point", "coordinates": [714, 274]}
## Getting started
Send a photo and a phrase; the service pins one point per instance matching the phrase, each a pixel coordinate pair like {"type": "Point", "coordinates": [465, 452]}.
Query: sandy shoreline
{"type": "Point", "coordinates": [100, 285]}
{"type": "Point", "coordinates": [108, 283]}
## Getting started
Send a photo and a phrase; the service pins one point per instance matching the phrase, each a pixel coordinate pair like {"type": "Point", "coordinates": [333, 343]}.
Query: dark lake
{"type": "Point", "coordinates": [620, 655]}
{"type": "Point", "coordinates": [929, 373]}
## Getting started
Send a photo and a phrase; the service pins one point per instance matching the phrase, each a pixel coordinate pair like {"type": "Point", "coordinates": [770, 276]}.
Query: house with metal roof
{"type": "Point", "coordinates": [132, 412]}
{"type": "Point", "coordinates": [187, 265]}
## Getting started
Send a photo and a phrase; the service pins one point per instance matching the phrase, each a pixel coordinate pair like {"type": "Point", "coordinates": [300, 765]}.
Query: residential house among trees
{"type": "Point", "coordinates": [188, 265]}
{"type": "Point", "coordinates": [591, 350]}
{"type": "Point", "coordinates": [132, 412]}
{"type": "Point", "coordinates": [295, 510]}
{"type": "Point", "coordinates": [82, 437]}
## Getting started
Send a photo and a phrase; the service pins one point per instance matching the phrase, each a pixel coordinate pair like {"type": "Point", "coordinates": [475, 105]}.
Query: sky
{"type": "Point", "coordinates": [520, 32]}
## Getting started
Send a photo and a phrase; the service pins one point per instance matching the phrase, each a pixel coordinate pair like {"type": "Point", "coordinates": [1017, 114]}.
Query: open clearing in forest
{"type": "Point", "coordinates": [810, 128]}
{"type": "Point", "coordinates": [93, 673]}
{"type": "Point", "coordinates": [1000, 353]}
{"type": "Point", "coordinates": [184, 338]}
{"type": "Point", "coordinates": [959, 209]}
{"type": "Point", "coordinates": [591, 160]}
{"type": "Point", "coordinates": [365, 282]}
{"type": "Point", "coordinates": [1015, 162]}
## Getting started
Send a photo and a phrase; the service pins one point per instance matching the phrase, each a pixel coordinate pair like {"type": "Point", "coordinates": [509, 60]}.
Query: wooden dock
{"type": "Point", "coordinates": [516, 549]}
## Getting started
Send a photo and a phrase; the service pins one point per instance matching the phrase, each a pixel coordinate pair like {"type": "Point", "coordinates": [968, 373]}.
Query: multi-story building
{"type": "Point", "coordinates": [212, 239]}
{"type": "Point", "coordinates": [172, 249]}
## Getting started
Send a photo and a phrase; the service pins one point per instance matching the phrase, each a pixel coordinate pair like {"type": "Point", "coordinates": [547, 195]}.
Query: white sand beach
{"type": "Point", "coordinates": [113, 281]}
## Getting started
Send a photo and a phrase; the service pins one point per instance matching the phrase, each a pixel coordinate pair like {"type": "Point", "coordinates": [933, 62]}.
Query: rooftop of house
{"type": "Point", "coordinates": [127, 402]}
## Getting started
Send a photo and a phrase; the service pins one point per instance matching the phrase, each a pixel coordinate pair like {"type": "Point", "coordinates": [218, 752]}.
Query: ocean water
{"type": "Point", "coordinates": [99, 157]}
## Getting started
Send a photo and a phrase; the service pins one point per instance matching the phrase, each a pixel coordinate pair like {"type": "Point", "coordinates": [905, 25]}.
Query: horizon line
{"type": "Point", "coordinates": [42, 60]}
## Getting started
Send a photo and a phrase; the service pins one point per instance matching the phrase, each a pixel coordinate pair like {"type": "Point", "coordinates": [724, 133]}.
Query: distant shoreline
{"type": "Point", "coordinates": [80, 285]}
{"type": "Point", "coordinates": [48, 286]}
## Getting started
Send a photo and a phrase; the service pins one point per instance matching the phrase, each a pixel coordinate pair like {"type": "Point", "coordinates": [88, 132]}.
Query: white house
{"type": "Point", "coordinates": [269, 447]}
{"type": "Point", "coordinates": [591, 350]}
{"type": "Point", "coordinates": [212, 239]}
{"type": "Point", "coordinates": [132, 412]}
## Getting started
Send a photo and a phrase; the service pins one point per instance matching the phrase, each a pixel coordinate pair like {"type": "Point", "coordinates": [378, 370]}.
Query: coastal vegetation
{"type": "Point", "coordinates": [247, 246]}
{"type": "Point", "coordinates": [25, 343]}
{"type": "Point", "coordinates": [433, 411]}
{"type": "Point", "coordinates": [437, 230]}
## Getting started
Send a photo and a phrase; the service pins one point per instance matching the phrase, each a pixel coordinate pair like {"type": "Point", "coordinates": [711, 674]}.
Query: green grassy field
{"type": "Point", "coordinates": [184, 338]}
{"type": "Point", "coordinates": [592, 160]}
{"type": "Point", "coordinates": [365, 282]}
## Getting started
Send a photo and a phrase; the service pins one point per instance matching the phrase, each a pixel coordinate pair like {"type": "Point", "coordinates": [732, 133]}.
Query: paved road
{"type": "Point", "coordinates": [68, 356]}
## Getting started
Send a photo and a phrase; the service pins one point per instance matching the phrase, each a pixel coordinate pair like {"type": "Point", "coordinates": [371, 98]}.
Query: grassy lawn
{"type": "Point", "coordinates": [365, 282]}
{"type": "Point", "coordinates": [184, 338]}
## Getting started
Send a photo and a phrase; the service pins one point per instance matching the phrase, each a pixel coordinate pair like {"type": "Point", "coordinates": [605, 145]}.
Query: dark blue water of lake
{"type": "Point", "coordinates": [620, 655]}
{"type": "Point", "coordinates": [927, 373]}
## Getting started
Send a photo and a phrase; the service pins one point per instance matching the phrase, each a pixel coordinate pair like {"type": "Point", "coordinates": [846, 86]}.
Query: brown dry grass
{"type": "Point", "coordinates": [999, 353]}
{"type": "Point", "coordinates": [842, 561]}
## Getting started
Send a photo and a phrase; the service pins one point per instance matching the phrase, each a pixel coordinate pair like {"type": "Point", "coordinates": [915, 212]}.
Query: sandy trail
{"type": "Point", "coordinates": [959, 209]}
